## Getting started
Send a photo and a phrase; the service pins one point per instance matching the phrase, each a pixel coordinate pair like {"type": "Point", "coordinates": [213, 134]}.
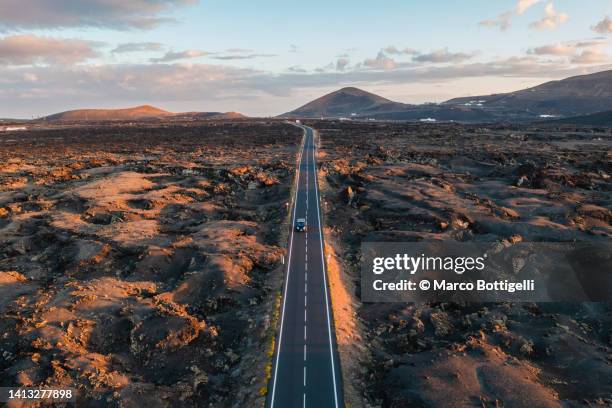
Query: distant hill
{"type": "Point", "coordinates": [594, 119]}
{"type": "Point", "coordinates": [360, 104]}
{"type": "Point", "coordinates": [144, 112]}
{"type": "Point", "coordinates": [138, 112]}
{"type": "Point", "coordinates": [210, 115]}
{"type": "Point", "coordinates": [344, 102]}
{"type": "Point", "coordinates": [578, 95]}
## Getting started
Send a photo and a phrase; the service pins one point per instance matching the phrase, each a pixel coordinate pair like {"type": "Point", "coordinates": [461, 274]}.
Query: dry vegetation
{"type": "Point", "coordinates": [140, 264]}
{"type": "Point", "coordinates": [393, 182]}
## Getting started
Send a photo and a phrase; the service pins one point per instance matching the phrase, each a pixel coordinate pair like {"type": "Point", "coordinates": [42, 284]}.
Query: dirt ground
{"type": "Point", "coordinates": [411, 182]}
{"type": "Point", "coordinates": [140, 263]}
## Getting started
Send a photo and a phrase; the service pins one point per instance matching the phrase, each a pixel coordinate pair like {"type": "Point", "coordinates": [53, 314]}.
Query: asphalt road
{"type": "Point", "coordinates": [306, 370]}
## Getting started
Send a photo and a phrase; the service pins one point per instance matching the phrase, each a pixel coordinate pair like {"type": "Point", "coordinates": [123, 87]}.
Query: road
{"type": "Point", "coordinates": [306, 370]}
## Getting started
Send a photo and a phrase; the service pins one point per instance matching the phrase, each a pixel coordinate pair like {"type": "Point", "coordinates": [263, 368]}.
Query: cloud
{"type": "Point", "coordinates": [595, 42]}
{"type": "Point", "coordinates": [554, 49]}
{"type": "Point", "coordinates": [27, 90]}
{"type": "Point", "coordinates": [294, 48]}
{"type": "Point", "coordinates": [591, 57]}
{"type": "Point", "coordinates": [239, 50]}
{"type": "Point", "coordinates": [604, 26]}
{"type": "Point", "coordinates": [391, 50]}
{"type": "Point", "coordinates": [551, 19]}
{"type": "Point", "coordinates": [137, 47]}
{"type": "Point", "coordinates": [442, 56]}
{"type": "Point", "coordinates": [171, 56]}
{"type": "Point", "coordinates": [380, 62]}
{"type": "Point", "coordinates": [342, 63]}
{"type": "Point", "coordinates": [115, 14]}
{"type": "Point", "coordinates": [502, 21]}
{"type": "Point", "coordinates": [31, 49]}
{"type": "Point", "coordinates": [567, 48]}
{"type": "Point", "coordinates": [242, 56]}
{"type": "Point", "coordinates": [296, 68]}
{"type": "Point", "coordinates": [523, 5]}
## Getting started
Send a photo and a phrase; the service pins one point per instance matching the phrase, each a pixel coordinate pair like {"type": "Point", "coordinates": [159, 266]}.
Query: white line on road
{"type": "Point", "coordinates": [331, 353]}
{"type": "Point", "coordinates": [305, 337]}
{"type": "Point", "coordinates": [304, 376]}
{"type": "Point", "coordinates": [280, 336]}
{"type": "Point", "coordinates": [304, 352]}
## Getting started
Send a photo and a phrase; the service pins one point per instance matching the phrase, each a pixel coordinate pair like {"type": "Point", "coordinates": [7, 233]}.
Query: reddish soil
{"type": "Point", "coordinates": [141, 264]}
{"type": "Point", "coordinates": [410, 182]}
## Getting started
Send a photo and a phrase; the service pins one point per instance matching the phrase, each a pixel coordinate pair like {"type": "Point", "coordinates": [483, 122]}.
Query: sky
{"type": "Point", "coordinates": [267, 57]}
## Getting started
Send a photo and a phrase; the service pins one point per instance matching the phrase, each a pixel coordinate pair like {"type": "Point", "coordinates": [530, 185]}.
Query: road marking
{"type": "Point", "coordinates": [280, 336]}
{"type": "Point", "coordinates": [331, 353]}
{"type": "Point", "coordinates": [305, 337]}
{"type": "Point", "coordinates": [304, 376]}
{"type": "Point", "coordinates": [305, 319]}
{"type": "Point", "coordinates": [304, 352]}
{"type": "Point", "coordinates": [304, 400]}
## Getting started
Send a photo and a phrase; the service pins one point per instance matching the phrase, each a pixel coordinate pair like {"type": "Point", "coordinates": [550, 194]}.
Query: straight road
{"type": "Point", "coordinates": [306, 369]}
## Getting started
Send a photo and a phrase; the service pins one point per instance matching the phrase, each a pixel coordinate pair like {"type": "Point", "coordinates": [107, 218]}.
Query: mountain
{"type": "Point", "coordinates": [138, 112]}
{"type": "Point", "coordinates": [594, 119]}
{"type": "Point", "coordinates": [578, 95]}
{"type": "Point", "coordinates": [144, 112]}
{"type": "Point", "coordinates": [359, 104]}
{"type": "Point", "coordinates": [210, 115]}
{"type": "Point", "coordinates": [344, 102]}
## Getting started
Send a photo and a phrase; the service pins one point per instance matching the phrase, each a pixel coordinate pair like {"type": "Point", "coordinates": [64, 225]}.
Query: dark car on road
{"type": "Point", "coordinates": [300, 225]}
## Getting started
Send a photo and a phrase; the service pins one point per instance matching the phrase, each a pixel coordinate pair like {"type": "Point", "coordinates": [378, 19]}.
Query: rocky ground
{"type": "Point", "coordinates": [140, 264]}
{"type": "Point", "coordinates": [385, 182]}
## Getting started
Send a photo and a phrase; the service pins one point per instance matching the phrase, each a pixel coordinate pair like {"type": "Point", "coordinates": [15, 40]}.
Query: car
{"type": "Point", "coordinates": [300, 225]}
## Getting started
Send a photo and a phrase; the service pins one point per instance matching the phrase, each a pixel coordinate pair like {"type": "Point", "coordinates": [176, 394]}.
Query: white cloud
{"type": "Point", "coordinates": [116, 14]}
{"type": "Point", "coordinates": [442, 56]}
{"type": "Point", "coordinates": [523, 5]}
{"type": "Point", "coordinates": [502, 21]}
{"type": "Point", "coordinates": [591, 57]}
{"type": "Point", "coordinates": [604, 26]}
{"type": "Point", "coordinates": [31, 49]}
{"type": "Point", "coordinates": [568, 48]}
{"type": "Point", "coordinates": [242, 56]}
{"type": "Point", "coordinates": [342, 63]}
{"type": "Point", "coordinates": [137, 47]}
{"type": "Point", "coordinates": [554, 49]}
{"type": "Point", "coordinates": [380, 62]}
{"type": "Point", "coordinates": [30, 77]}
{"type": "Point", "coordinates": [551, 19]}
{"type": "Point", "coordinates": [171, 56]}
{"type": "Point", "coordinates": [391, 50]}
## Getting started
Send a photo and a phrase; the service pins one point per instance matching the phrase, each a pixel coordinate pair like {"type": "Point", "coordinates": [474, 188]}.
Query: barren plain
{"type": "Point", "coordinates": [502, 183]}
{"type": "Point", "coordinates": [141, 263]}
